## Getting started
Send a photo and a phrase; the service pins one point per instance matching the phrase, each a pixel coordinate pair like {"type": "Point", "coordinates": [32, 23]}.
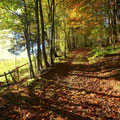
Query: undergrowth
{"type": "Point", "coordinates": [97, 54]}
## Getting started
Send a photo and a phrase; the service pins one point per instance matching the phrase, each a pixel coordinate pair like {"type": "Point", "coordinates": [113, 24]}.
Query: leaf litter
{"type": "Point", "coordinates": [73, 90]}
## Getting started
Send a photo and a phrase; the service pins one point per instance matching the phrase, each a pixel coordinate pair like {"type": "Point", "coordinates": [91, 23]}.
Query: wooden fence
{"type": "Point", "coordinates": [15, 77]}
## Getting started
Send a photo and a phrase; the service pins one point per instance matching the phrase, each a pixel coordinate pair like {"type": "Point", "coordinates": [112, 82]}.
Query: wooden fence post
{"type": "Point", "coordinates": [6, 79]}
{"type": "Point", "coordinates": [12, 77]}
{"type": "Point", "coordinates": [17, 71]}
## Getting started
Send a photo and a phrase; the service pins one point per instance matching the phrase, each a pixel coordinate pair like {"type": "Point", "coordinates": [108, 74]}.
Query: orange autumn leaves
{"type": "Point", "coordinates": [86, 13]}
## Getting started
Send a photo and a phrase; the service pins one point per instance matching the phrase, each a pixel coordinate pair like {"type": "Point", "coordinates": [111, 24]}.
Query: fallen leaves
{"type": "Point", "coordinates": [69, 92]}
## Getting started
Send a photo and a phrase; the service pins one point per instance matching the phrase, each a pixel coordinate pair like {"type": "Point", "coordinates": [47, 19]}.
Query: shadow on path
{"type": "Point", "coordinates": [65, 93]}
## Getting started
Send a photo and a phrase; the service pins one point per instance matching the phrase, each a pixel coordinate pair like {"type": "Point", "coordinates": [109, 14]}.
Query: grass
{"type": "Point", "coordinates": [28, 82]}
{"type": "Point", "coordinates": [7, 65]}
{"type": "Point", "coordinates": [98, 53]}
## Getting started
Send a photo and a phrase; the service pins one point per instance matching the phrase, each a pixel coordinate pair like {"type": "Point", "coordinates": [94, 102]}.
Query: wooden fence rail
{"type": "Point", "coordinates": [12, 71]}
{"type": "Point", "coordinates": [15, 70]}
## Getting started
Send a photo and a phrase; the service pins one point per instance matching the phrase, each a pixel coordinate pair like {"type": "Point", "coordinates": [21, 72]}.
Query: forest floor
{"type": "Point", "coordinates": [72, 90]}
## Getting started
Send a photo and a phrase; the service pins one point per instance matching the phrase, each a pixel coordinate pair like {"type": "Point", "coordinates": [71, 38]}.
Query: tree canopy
{"type": "Point", "coordinates": [43, 27]}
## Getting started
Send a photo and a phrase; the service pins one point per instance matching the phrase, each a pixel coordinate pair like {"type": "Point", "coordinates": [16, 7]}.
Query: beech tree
{"type": "Point", "coordinates": [24, 21]}
{"type": "Point", "coordinates": [118, 15]}
{"type": "Point", "coordinates": [39, 56]}
{"type": "Point", "coordinates": [26, 34]}
{"type": "Point", "coordinates": [50, 25]}
{"type": "Point", "coordinates": [51, 14]}
{"type": "Point", "coordinates": [43, 36]}
{"type": "Point", "coordinates": [103, 13]}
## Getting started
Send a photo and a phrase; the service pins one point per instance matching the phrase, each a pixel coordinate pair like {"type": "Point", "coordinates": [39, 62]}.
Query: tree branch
{"type": "Point", "coordinates": [11, 11]}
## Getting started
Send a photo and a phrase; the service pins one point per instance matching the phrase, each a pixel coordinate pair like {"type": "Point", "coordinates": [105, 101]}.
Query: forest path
{"type": "Point", "coordinates": [73, 90]}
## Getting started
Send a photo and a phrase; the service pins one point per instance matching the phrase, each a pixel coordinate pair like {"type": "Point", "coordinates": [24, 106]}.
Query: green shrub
{"type": "Point", "coordinates": [96, 54]}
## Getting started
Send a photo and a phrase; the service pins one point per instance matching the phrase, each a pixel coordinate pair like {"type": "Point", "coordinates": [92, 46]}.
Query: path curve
{"type": "Point", "coordinates": [73, 90]}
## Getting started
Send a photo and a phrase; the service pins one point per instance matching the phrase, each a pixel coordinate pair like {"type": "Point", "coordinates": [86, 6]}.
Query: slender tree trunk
{"type": "Point", "coordinates": [65, 47]}
{"type": "Point", "coordinates": [29, 58]}
{"type": "Point", "coordinates": [109, 21]}
{"type": "Point", "coordinates": [110, 34]}
{"type": "Point", "coordinates": [65, 34]}
{"type": "Point", "coordinates": [114, 23]}
{"type": "Point", "coordinates": [33, 53]}
{"type": "Point", "coordinates": [32, 47]}
{"type": "Point", "coordinates": [50, 20]}
{"type": "Point", "coordinates": [52, 32]}
{"type": "Point", "coordinates": [72, 40]}
{"type": "Point", "coordinates": [68, 40]}
{"type": "Point", "coordinates": [118, 16]}
{"type": "Point", "coordinates": [43, 36]}
{"type": "Point", "coordinates": [51, 6]}
{"type": "Point", "coordinates": [28, 42]}
{"type": "Point", "coordinates": [34, 58]}
{"type": "Point", "coordinates": [39, 61]}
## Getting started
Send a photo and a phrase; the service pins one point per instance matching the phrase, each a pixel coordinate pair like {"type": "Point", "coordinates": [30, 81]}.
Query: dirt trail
{"type": "Point", "coordinates": [73, 90]}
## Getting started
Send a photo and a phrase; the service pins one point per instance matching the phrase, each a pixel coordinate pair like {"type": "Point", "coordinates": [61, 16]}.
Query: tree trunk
{"type": "Point", "coordinates": [110, 20]}
{"type": "Point", "coordinates": [52, 33]}
{"type": "Point", "coordinates": [39, 61]}
{"type": "Point", "coordinates": [34, 58]}
{"type": "Point", "coordinates": [68, 40]}
{"type": "Point", "coordinates": [28, 42]}
{"type": "Point", "coordinates": [51, 20]}
{"type": "Point", "coordinates": [32, 75]}
{"type": "Point", "coordinates": [43, 36]}
{"type": "Point", "coordinates": [114, 24]}
{"type": "Point", "coordinates": [65, 33]}
{"type": "Point", "coordinates": [118, 16]}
